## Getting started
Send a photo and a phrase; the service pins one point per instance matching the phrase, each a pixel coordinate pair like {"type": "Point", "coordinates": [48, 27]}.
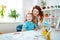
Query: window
{"type": "Point", "coordinates": [11, 5]}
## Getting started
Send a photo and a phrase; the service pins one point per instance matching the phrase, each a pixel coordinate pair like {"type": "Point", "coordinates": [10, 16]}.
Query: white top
{"type": "Point", "coordinates": [40, 24]}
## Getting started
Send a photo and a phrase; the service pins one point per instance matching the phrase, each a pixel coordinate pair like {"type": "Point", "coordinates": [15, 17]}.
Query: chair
{"type": "Point", "coordinates": [19, 28]}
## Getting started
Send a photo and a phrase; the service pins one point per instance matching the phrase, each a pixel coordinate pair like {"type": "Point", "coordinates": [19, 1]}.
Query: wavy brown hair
{"type": "Point", "coordinates": [41, 15]}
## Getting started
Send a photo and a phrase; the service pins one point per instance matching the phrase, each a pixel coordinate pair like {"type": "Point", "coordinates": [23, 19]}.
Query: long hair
{"type": "Point", "coordinates": [40, 11]}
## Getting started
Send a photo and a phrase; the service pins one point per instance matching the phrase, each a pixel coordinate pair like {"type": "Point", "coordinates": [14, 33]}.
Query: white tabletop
{"type": "Point", "coordinates": [27, 35]}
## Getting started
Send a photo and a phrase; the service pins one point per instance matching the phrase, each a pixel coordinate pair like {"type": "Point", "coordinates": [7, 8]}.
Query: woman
{"type": "Point", "coordinates": [39, 20]}
{"type": "Point", "coordinates": [39, 16]}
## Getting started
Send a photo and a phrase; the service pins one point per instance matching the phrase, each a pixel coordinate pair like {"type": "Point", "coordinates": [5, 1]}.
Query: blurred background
{"type": "Point", "coordinates": [12, 12]}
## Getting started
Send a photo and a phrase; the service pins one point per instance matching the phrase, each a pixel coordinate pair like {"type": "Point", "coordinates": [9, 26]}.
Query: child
{"type": "Point", "coordinates": [29, 24]}
{"type": "Point", "coordinates": [45, 33]}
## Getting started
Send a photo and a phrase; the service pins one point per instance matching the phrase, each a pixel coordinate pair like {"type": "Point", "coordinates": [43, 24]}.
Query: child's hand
{"type": "Point", "coordinates": [23, 30]}
{"type": "Point", "coordinates": [36, 29]}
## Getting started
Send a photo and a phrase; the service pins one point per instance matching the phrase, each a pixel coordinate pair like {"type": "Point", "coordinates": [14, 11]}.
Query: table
{"type": "Point", "coordinates": [27, 35]}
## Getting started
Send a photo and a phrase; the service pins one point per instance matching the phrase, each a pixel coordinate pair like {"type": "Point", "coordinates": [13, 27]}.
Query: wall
{"type": "Point", "coordinates": [53, 2]}
{"type": "Point", "coordinates": [8, 27]}
{"type": "Point", "coordinates": [27, 5]}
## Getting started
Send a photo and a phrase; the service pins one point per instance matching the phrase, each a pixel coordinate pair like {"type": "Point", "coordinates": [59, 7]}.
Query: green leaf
{"type": "Point", "coordinates": [13, 14]}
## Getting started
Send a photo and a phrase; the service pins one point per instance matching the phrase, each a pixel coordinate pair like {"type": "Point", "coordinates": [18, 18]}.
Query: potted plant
{"type": "Point", "coordinates": [2, 10]}
{"type": "Point", "coordinates": [13, 14]}
{"type": "Point", "coordinates": [43, 4]}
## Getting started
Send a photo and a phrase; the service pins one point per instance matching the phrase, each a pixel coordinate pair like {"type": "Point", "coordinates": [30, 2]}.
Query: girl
{"type": "Point", "coordinates": [29, 24]}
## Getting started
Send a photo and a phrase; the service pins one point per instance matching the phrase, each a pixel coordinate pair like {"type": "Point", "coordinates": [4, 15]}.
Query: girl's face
{"type": "Point", "coordinates": [29, 17]}
{"type": "Point", "coordinates": [35, 12]}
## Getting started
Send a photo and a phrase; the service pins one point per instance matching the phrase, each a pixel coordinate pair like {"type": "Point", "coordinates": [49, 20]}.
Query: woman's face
{"type": "Point", "coordinates": [35, 12]}
{"type": "Point", "coordinates": [29, 17]}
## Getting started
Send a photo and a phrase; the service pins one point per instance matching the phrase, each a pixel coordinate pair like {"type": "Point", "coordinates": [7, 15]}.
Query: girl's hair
{"type": "Point", "coordinates": [32, 16]}
{"type": "Point", "coordinates": [40, 11]}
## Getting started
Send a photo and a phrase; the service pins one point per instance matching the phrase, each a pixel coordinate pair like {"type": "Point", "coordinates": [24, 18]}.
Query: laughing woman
{"type": "Point", "coordinates": [39, 17]}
